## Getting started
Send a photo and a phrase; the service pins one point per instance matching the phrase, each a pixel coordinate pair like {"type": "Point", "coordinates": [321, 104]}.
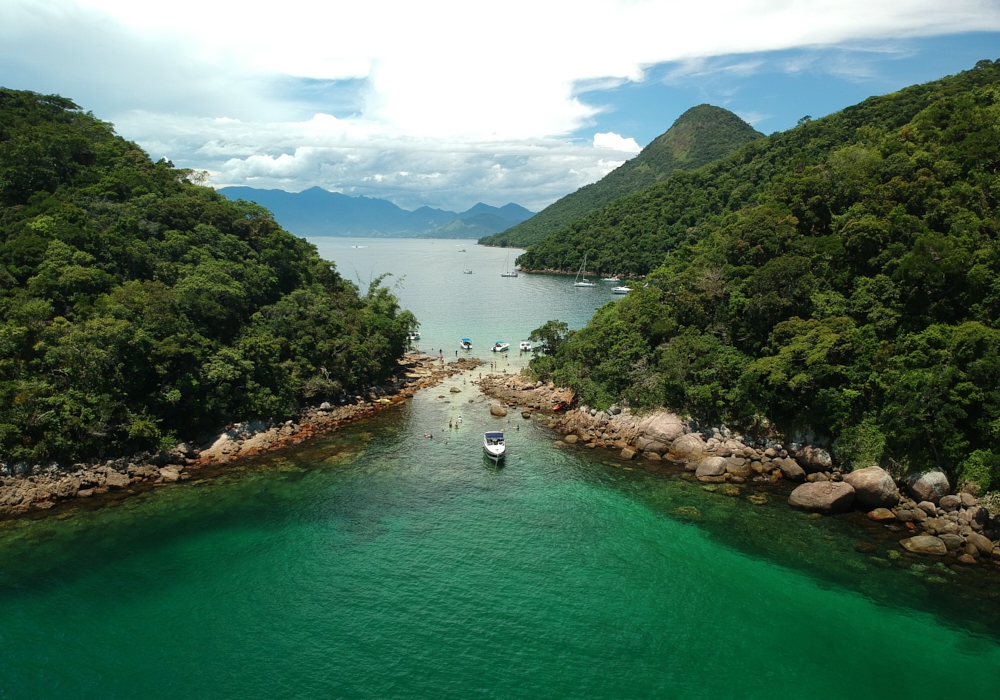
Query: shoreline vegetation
{"type": "Point", "coordinates": [49, 491]}
{"type": "Point", "coordinates": [137, 306]}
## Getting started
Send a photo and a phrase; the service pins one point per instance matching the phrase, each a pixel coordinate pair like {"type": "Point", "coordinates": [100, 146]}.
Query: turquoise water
{"type": "Point", "coordinates": [375, 563]}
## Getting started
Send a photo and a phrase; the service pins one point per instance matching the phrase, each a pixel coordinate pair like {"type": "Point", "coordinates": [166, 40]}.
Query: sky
{"type": "Point", "coordinates": [449, 103]}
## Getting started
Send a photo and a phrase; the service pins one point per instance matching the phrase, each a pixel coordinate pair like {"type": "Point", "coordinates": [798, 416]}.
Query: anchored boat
{"type": "Point", "coordinates": [525, 346]}
{"type": "Point", "coordinates": [583, 282]}
{"type": "Point", "coordinates": [620, 290]}
{"type": "Point", "coordinates": [494, 446]}
{"type": "Point", "coordinates": [507, 271]}
{"type": "Point", "coordinates": [500, 346]}
{"type": "Point", "coordinates": [466, 343]}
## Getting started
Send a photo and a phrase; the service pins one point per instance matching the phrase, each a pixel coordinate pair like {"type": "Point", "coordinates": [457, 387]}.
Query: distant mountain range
{"type": "Point", "coordinates": [699, 136]}
{"type": "Point", "coordinates": [317, 212]}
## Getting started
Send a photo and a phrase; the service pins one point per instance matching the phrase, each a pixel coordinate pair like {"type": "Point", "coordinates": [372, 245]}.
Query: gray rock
{"type": "Point", "coordinates": [924, 544]}
{"type": "Point", "coordinates": [712, 466]}
{"type": "Point", "coordinates": [690, 446]}
{"type": "Point", "coordinates": [627, 453]}
{"type": "Point", "coordinates": [928, 508]}
{"type": "Point", "coordinates": [790, 469]}
{"type": "Point", "coordinates": [663, 427]}
{"type": "Point", "coordinates": [813, 459]}
{"type": "Point", "coordinates": [981, 543]}
{"type": "Point", "coordinates": [968, 500]}
{"type": "Point", "coordinates": [117, 480]}
{"type": "Point", "coordinates": [824, 497]}
{"type": "Point", "coordinates": [874, 488]}
{"type": "Point", "coordinates": [950, 503]}
{"type": "Point", "coordinates": [929, 486]}
{"type": "Point", "coordinates": [952, 542]}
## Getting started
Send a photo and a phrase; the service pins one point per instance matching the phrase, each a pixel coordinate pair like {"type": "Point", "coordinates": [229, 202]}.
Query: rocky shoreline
{"type": "Point", "coordinates": [39, 490]}
{"type": "Point", "coordinates": [954, 527]}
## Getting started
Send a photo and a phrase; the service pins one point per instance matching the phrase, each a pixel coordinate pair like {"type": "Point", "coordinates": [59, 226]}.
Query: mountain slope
{"type": "Point", "coordinates": [136, 308]}
{"type": "Point", "coordinates": [318, 212]}
{"type": "Point", "coordinates": [699, 136]}
{"type": "Point", "coordinates": [633, 235]}
{"type": "Point", "coordinates": [857, 296]}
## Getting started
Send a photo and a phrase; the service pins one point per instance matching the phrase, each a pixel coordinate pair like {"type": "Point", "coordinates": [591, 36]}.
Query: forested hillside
{"type": "Point", "coordinates": [859, 295]}
{"type": "Point", "coordinates": [633, 235]}
{"type": "Point", "coordinates": [699, 136]}
{"type": "Point", "coordinates": [137, 308]}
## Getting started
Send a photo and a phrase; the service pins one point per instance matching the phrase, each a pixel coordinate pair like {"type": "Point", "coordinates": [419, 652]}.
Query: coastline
{"type": "Point", "coordinates": [920, 513]}
{"type": "Point", "coordinates": [42, 491]}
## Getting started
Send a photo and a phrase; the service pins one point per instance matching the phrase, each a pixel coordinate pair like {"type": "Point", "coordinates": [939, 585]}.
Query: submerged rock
{"type": "Point", "coordinates": [498, 410]}
{"type": "Point", "coordinates": [571, 439]}
{"type": "Point", "coordinates": [924, 544]}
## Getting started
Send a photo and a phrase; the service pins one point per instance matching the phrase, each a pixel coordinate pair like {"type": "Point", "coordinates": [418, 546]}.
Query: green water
{"type": "Point", "coordinates": [378, 564]}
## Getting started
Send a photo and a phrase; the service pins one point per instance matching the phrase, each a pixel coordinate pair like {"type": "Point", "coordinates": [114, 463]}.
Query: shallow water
{"type": "Point", "coordinates": [375, 563]}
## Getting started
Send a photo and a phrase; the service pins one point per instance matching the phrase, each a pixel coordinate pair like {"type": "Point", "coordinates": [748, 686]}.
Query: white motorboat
{"type": "Point", "coordinates": [525, 346]}
{"type": "Point", "coordinates": [500, 346]}
{"type": "Point", "coordinates": [613, 278]}
{"type": "Point", "coordinates": [620, 290]}
{"type": "Point", "coordinates": [494, 446]}
{"type": "Point", "coordinates": [413, 335]}
{"type": "Point", "coordinates": [507, 271]}
{"type": "Point", "coordinates": [578, 282]}
{"type": "Point", "coordinates": [466, 344]}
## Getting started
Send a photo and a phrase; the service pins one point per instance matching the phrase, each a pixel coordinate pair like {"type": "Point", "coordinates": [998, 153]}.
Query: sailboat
{"type": "Point", "coordinates": [467, 270]}
{"type": "Point", "coordinates": [507, 272]}
{"type": "Point", "coordinates": [584, 282]}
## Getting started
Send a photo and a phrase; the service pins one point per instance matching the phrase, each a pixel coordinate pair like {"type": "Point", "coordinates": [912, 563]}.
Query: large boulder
{"type": "Point", "coordinates": [712, 466]}
{"type": "Point", "coordinates": [823, 496]}
{"type": "Point", "coordinates": [662, 427]}
{"type": "Point", "coordinates": [689, 446]}
{"type": "Point", "coordinates": [790, 469]}
{"type": "Point", "coordinates": [117, 480]}
{"type": "Point", "coordinates": [983, 544]}
{"type": "Point", "coordinates": [814, 459]}
{"type": "Point", "coordinates": [929, 486]}
{"type": "Point", "coordinates": [498, 410]}
{"type": "Point", "coordinates": [874, 488]}
{"type": "Point", "coordinates": [924, 544]}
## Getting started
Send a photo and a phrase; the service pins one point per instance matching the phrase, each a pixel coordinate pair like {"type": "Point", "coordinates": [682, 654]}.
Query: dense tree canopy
{"type": "Point", "coordinates": [858, 296]}
{"type": "Point", "coordinates": [137, 307]}
{"type": "Point", "coordinates": [634, 234]}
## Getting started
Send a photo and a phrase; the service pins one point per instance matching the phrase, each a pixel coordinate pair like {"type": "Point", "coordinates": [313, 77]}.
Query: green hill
{"type": "Point", "coordinates": [856, 293]}
{"type": "Point", "coordinates": [699, 136]}
{"type": "Point", "coordinates": [633, 235]}
{"type": "Point", "coordinates": [136, 308]}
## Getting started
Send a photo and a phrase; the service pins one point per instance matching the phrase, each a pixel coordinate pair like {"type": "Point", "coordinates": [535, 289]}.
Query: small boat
{"type": "Point", "coordinates": [467, 270]}
{"type": "Point", "coordinates": [613, 278]}
{"type": "Point", "coordinates": [500, 346]}
{"type": "Point", "coordinates": [620, 290]}
{"type": "Point", "coordinates": [525, 346]}
{"type": "Point", "coordinates": [494, 446]}
{"type": "Point", "coordinates": [561, 406]}
{"type": "Point", "coordinates": [583, 282]}
{"type": "Point", "coordinates": [466, 344]}
{"type": "Point", "coordinates": [507, 272]}
{"type": "Point", "coordinates": [413, 335]}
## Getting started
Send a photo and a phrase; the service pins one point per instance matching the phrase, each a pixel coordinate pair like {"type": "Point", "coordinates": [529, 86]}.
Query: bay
{"type": "Point", "coordinates": [375, 563]}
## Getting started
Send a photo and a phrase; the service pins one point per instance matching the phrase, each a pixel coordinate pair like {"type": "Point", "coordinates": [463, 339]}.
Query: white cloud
{"type": "Point", "coordinates": [616, 142]}
{"type": "Point", "coordinates": [460, 96]}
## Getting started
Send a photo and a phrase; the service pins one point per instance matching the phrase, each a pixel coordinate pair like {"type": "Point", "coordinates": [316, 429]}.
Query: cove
{"type": "Point", "coordinates": [375, 563]}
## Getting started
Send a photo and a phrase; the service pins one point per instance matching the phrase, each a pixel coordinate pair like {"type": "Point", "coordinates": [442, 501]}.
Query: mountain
{"type": "Point", "coordinates": [318, 212]}
{"type": "Point", "coordinates": [699, 136]}
{"type": "Point", "coordinates": [840, 279]}
{"type": "Point", "coordinates": [634, 234]}
{"type": "Point", "coordinates": [137, 308]}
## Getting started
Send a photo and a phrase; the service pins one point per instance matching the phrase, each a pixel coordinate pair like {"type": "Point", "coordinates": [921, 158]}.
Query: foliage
{"type": "Point", "coordinates": [699, 136]}
{"type": "Point", "coordinates": [857, 296]}
{"type": "Point", "coordinates": [635, 233]}
{"type": "Point", "coordinates": [136, 306]}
